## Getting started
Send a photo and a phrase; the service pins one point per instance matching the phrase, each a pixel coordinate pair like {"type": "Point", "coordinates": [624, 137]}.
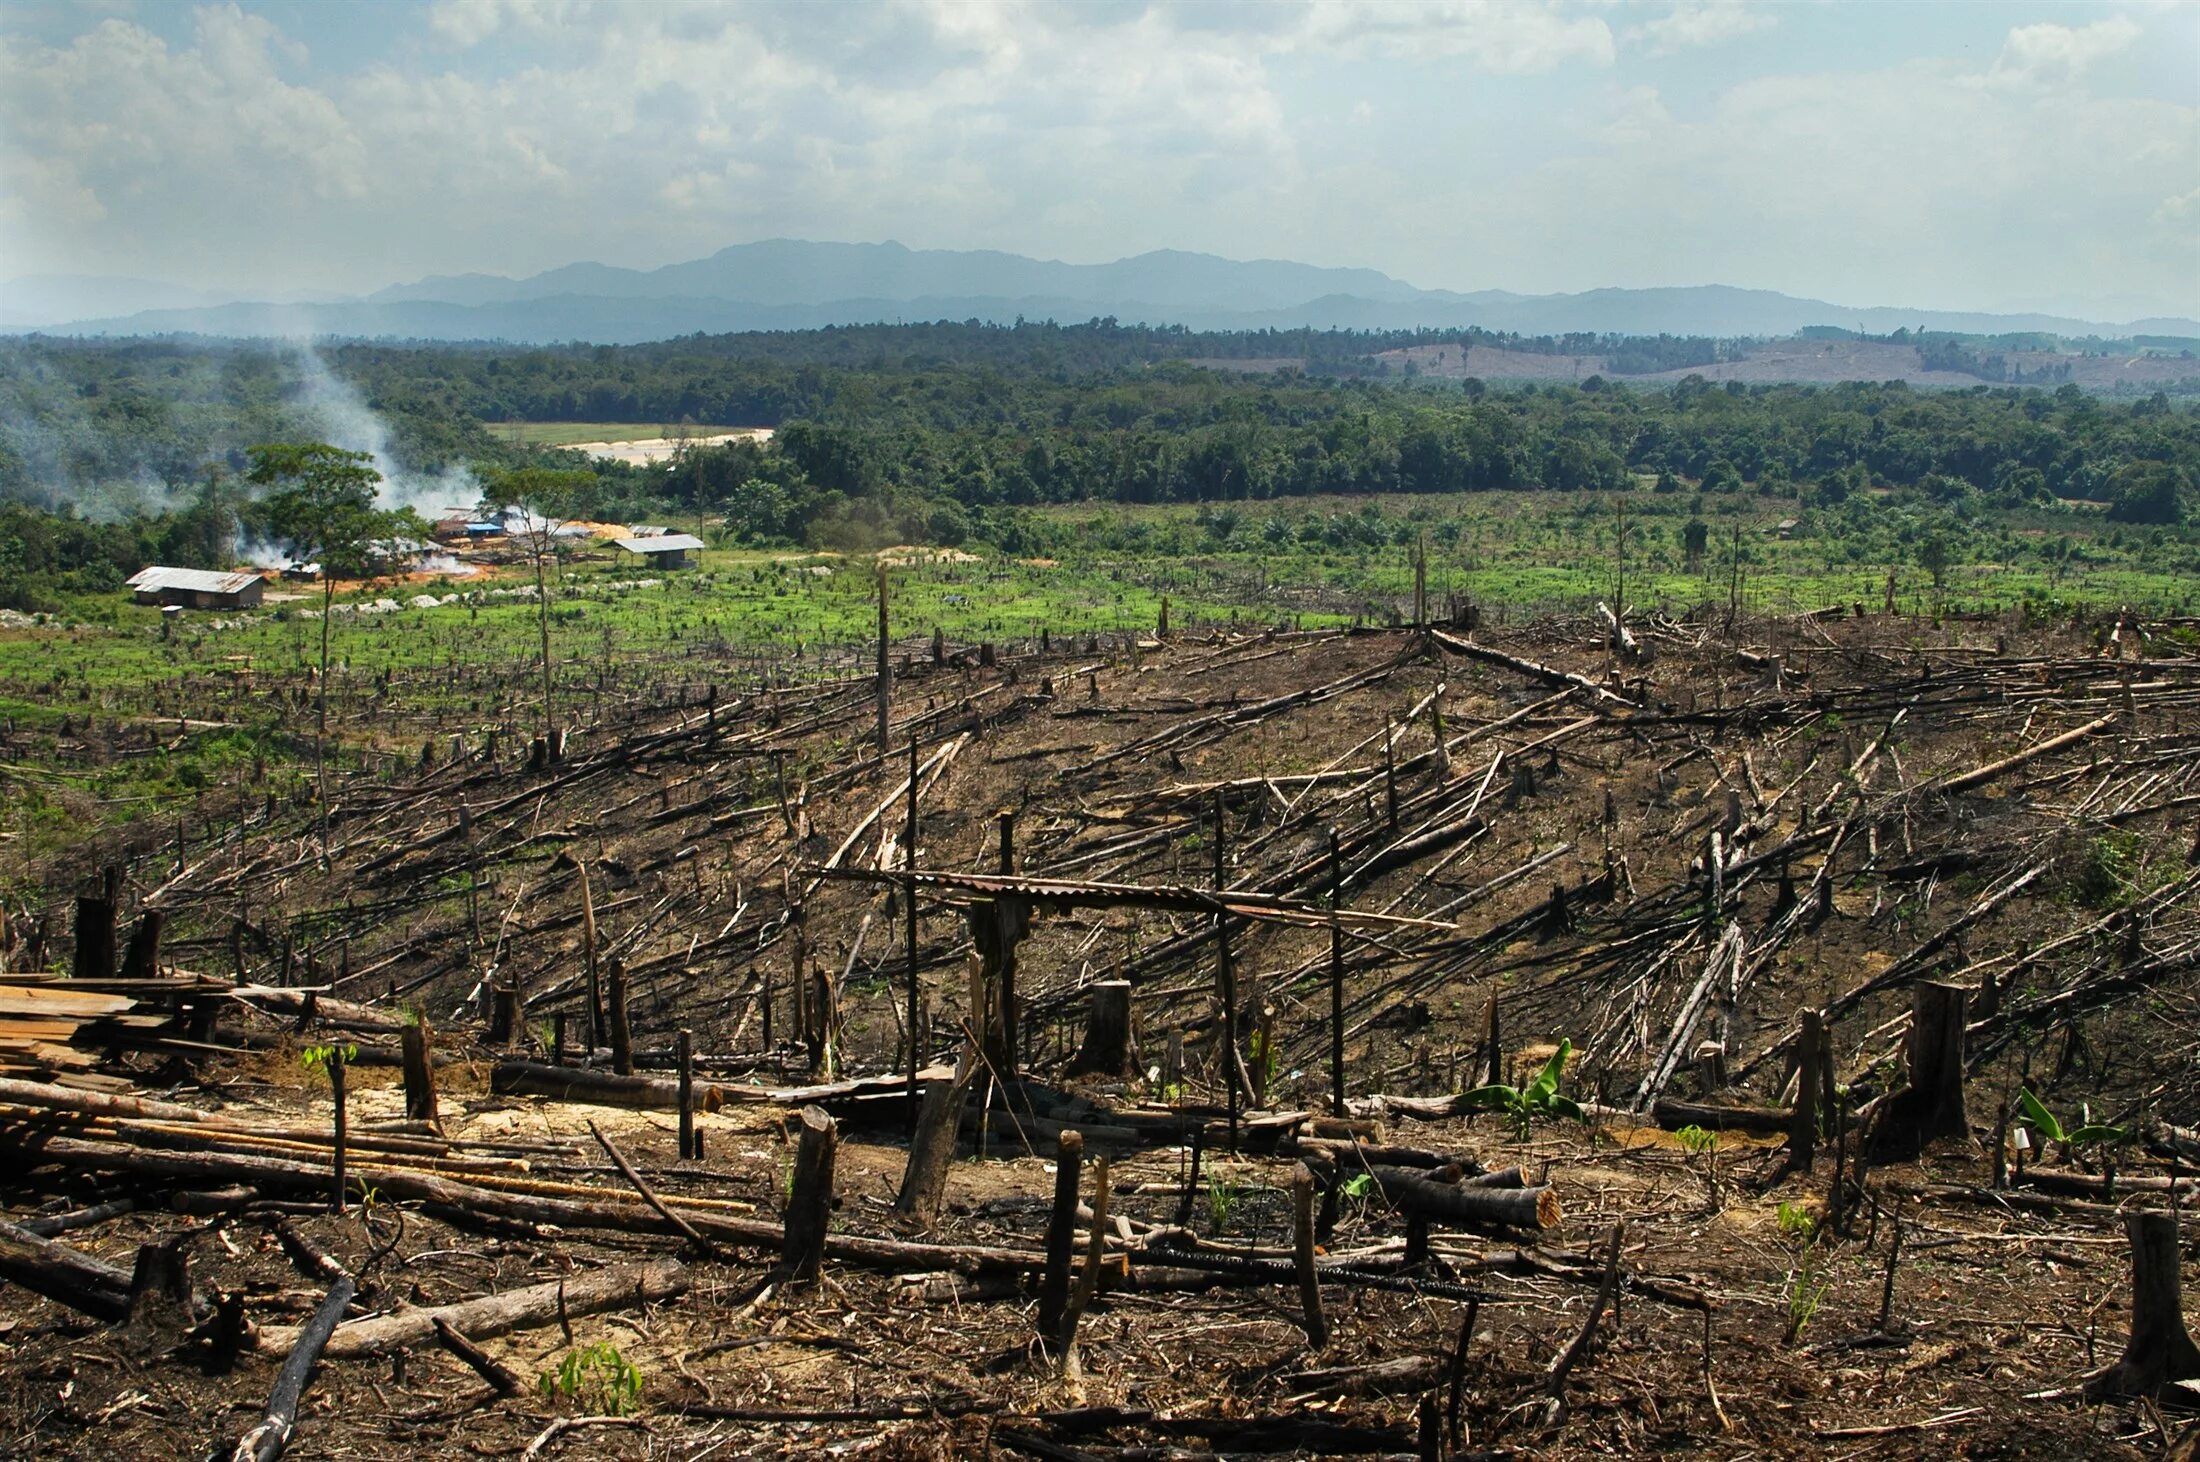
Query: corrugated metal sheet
{"type": "Point", "coordinates": [663, 543]}
{"type": "Point", "coordinates": [154, 578]}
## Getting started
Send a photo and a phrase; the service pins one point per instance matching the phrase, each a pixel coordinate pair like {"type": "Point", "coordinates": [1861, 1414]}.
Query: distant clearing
{"type": "Point", "coordinates": [576, 433]}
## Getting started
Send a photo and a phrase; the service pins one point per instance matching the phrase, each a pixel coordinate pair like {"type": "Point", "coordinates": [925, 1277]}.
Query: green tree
{"type": "Point", "coordinates": [2148, 492]}
{"type": "Point", "coordinates": [1695, 539]}
{"type": "Point", "coordinates": [319, 506]}
{"type": "Point", "coordinates": [527, 498]}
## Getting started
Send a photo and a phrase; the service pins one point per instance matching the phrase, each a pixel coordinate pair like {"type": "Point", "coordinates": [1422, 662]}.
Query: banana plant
{"type": "Point", "coordinates": [2050, 1129]}
{"type": "Point", "coordinates": [1539, 1098]}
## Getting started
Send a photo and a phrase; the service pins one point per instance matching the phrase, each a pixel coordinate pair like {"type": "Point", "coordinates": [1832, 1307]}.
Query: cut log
{"type": "Point", "coordinates": [1302, 1250]}
{"type": "Point", "coordinates": [530, 1308]}
{"type": "Point", "coordinates": [1673, 1114]}
{"type": "Point", "coordinates": [599, 1088]}
{"type": "Point", "coordinates": [496, 1373]}
{"type": "Point", "coordinates": [64, 1275]}
{"type": "Point", "coordinates": [2160, 1350]}
{"type": "Point", "coordinates": [1412, 1193]}
{"type": "Point", "coordinates": [1107, 1046]}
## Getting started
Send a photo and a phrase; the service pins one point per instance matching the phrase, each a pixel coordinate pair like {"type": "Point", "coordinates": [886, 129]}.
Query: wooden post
{"type": "Point", "coordinates": [1493, 1041]}
{"type": "Point", "coordinates": [557, 1039]}
{"type": "Point", "coordinates": [810, 1200]}
{"type": "Point", "coordinates": [1096, 1252]}
{"type": "Point", "coordinates": [1931, 1106]}
{"type": "Point", "coordinates": [1008, 843]}
{"type": "Point", "coordinates": [1302, 1235]}
{"type": "Point", "coordinates": [1106, 1049]}
{"type": "Point", "coordinates": [622, 1034]}
{"type": "Point", "coordinates": [684, 1053]}
{"type": "Point", "coordinates": [420, 1104]}
{"type": "Point", "coordinates": [1803, 1129]}
{"type": "Point", "coordinates": [588, 963]}
{"type": "Point", "coordinates": [885, 671]}
{"type": "Point", "coordinates": [1336, 977]}
{"type": "Point", "coordinates": [2160, 1350]}
{"type": "Point", "coordinates": [1061, 1234]}
{"type": "Point", "coordinates": [916, 1054]}
{"type": "Point", "coordinates": [932, 1148]}
{"type": "Point", "coordinates": [1226, 977]}
{"type": "Point", "coordinates": [341, 1125]}
{"type": "Point", "coordinates": [1390, 771]}
{"type": "Point", "coordinates": [506, 1015]}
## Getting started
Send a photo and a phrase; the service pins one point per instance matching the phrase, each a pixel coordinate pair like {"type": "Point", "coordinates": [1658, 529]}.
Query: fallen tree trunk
{"type": "Point", "coordinates": [599, 1088]}
{"type": "Point", "coordinates": [501, 1314]}
{"type": "Point", "coordinates": [64, 1275]}
{"type": "Point", "coordinates": [266, 1441]}
{"type": "Point", "coordinates": [1410, 1192]}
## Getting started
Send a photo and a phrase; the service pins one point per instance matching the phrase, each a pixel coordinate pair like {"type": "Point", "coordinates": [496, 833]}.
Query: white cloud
{"type": "Point", "coordinates": [1693, 23]}
{"type": "Point", "coordinates": [2048, 54]}
{"type": "Point", "coordinates": [1518, 38]}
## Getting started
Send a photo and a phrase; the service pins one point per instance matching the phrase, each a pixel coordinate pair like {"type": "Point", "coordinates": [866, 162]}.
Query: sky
{"type": "Point", "coordinates": [1945, 155]}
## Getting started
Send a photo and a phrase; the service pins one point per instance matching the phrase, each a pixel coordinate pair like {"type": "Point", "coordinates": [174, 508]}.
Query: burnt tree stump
{"type": "Point", "coordinates": [932, 1147]}
{"type": "Point", "coordinates": [810, 1199]}
{"type": "Point", "coordinates": [1931, 1106]}
{"type": "Point", "coordinates": [2160, 1350]}
{"type": "Point", "coordinates": [1107, 1046]}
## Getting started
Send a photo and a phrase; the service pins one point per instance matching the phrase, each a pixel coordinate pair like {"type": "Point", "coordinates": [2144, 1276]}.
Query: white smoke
{"type": "Point", "coordinates": [348, 422]}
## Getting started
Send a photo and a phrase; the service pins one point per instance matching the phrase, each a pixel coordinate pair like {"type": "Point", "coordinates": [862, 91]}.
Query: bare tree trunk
{"type": "Point", "coordinates": [550, 747]}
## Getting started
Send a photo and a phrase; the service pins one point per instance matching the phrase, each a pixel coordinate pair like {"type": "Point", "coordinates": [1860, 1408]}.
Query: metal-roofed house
{"type": "Point", "coordinates": [196, 588]}
{"type": "Point", "coordinates": [664, 550]}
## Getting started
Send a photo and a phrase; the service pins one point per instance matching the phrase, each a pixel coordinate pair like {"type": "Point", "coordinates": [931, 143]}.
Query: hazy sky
{"type": "Point", "coordinates": [1956, 155]}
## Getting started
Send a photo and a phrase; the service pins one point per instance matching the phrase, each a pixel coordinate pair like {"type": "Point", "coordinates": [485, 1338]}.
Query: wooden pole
{"type": "Point", "coordinates": [810, 1199]}
{"type": "Point", "coordinates": [340, 1127]}
{"type": "Point", "coordinates": [1302, 1235]}
{"type": "Point", "coordinates": [885, 671]}
{"type": "Point", "coordinates": [1061, 1234]}
{"type": "Point", "coordinates": [684, 1053]}
{"type": "Point", "coordinates": [1226, 975]}
{"type": "Point", "coordinates": [266, 1441]}
{"type": "Point", "coordinates": [588, 963]}
{"type": "Point", "coordinates": [909, 861]}
{"type": "Point", "coordinates": [1336, 977]}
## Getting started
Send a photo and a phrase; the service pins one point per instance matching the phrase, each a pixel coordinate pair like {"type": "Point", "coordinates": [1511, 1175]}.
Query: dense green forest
{"type": "Point", "coordinates": [126, 451]}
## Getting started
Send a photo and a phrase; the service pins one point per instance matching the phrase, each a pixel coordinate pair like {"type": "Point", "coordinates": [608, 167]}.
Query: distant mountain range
{"type": "Point", "coordinates": [786, 284]}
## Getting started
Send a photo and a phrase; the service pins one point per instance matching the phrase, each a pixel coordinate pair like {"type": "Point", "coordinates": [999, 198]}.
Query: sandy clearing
{"type": "Point", "coordinates": [658, 449]}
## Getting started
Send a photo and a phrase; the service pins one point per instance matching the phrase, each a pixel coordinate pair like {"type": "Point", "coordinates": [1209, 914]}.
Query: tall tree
{"type": "Point", "coordinates": [528, 498]}
{"type": "Point", "coordinates": [319, 505]}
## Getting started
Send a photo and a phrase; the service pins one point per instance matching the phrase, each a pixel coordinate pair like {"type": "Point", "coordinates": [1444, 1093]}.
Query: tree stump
{"type": "Point", "coordinates": [420, 1105]}
{"type": "Point", "coordinates": [932, 1148]}
{"type": "Point", "coordinates": [622, 1033]}
{"type": "Point", "coordinates": [1107, 1031]}
{"type": "Point", "coordinates": [2160, 1350]}
{"type": "Point", "coordinates": [810, 1200]}
{"type": "Point", "coordinates": [1931, 1106]}
{"type": "Point", "coordinates": [142, 961]}
{"type": "Point", "coordinates": [95, 939]}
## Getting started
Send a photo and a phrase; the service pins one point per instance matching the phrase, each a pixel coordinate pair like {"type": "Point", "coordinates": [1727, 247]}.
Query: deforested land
{"type": "Point", "coordinates": [1069, 904]}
